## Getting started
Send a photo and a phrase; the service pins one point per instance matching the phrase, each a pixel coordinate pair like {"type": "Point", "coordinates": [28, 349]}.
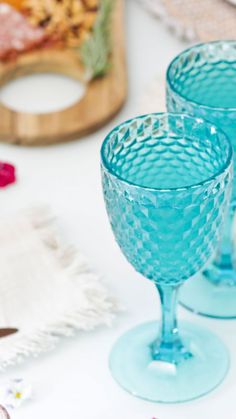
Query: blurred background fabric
{"type": "Point", "coordinates": [203, 20]}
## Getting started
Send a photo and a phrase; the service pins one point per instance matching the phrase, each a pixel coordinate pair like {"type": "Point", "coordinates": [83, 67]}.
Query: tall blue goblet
{"type": "Point", "coordinates": [166, 181]}
{"type": "Point", "coordinates": [201, 81]}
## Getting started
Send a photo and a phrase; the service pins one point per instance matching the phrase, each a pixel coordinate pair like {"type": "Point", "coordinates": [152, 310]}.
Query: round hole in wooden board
{"type": "Point", "coordinates": [42, 93]}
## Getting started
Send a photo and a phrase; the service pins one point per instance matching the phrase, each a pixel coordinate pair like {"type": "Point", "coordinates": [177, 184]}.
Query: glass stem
{"type": "Point", "coordinates": [225, 256]}
{"type": "Point", "coordinates": [169, 326]}
{"type": "Point", "coordinates": [169, 347]}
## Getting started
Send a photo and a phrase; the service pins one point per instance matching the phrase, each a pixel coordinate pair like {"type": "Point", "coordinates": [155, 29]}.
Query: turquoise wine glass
{"type": "Point", "coordinates": [201, 81]}
{"type": "Point", "coordinates": [166, 181]}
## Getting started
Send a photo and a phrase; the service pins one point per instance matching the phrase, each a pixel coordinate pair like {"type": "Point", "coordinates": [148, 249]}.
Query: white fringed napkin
{"type": "Point", "coordinates": [46, 289]}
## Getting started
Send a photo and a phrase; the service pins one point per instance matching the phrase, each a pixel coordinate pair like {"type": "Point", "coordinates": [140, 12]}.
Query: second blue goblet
{"type": "Point", "coordinates": [201, 81]}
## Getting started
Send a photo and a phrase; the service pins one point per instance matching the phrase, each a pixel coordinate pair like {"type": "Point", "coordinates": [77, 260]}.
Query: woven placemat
{"type": "Point", "coordinates": [209, 19]}
{"type": "Point", "coordinates": [204, 20]}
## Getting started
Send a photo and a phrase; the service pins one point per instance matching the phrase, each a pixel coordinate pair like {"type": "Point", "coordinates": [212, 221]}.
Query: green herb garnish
{"type": "Point", "coordinates": [95, 51]}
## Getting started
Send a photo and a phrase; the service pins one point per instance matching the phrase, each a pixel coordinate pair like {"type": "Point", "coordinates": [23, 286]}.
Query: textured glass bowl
{"type": "Point", "coordinates": [166, 181]}
{"type": "Point", "coordinates": [3, 413]}
{"type": "Point", "coordinates": [201, 81]}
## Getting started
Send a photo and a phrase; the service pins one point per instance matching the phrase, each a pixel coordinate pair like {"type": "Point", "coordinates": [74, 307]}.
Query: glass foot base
{"type": "Point", "coordinates": [211, 299]}
{"type": "Point", "coordinates": [134, 369]}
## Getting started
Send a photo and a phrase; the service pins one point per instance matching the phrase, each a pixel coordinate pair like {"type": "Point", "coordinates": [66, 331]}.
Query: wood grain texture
{"type": "Point", "coordinates": [103, 99]}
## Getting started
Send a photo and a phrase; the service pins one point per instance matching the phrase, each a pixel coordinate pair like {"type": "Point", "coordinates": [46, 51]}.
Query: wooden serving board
{"type": "Point", "coordinates": [103, 98]}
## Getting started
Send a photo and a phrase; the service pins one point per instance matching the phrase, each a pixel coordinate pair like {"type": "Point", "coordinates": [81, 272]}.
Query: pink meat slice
{"type": "Point", "coordinates": [16, 33]}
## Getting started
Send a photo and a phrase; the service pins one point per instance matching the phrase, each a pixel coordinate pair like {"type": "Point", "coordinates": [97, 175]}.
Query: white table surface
{"type": "Point", "coordinates": [74, 381]}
